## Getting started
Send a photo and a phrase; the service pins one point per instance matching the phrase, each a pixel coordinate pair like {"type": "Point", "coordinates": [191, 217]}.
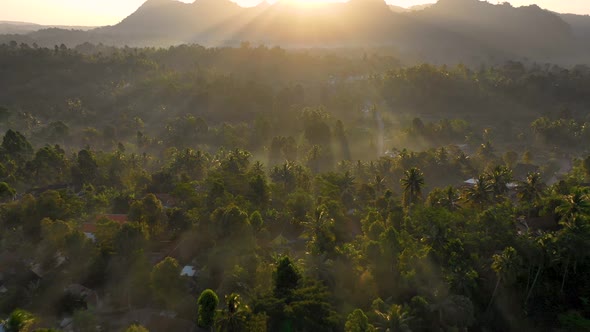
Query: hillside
{"type": "Point", "coordinates": [450, 31]}
{"type": "Point", "coordinates": [528, 31]}
{"type": "Point", "coordinates": [10, 27]}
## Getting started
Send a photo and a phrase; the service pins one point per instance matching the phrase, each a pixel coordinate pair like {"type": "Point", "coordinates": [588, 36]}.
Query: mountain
{"type": "Point", "coordinates": [450, 30]}
{"type": "Point", "coordinates": [580, 25]}
{"type": "Point", "coordinates": [174, 19]}
{"type": "Point", "coordinates": [356, 23]}
{"type": "Point", "coordinates": [528, 31]}
{"type": "Point", "coordinates": [10, 27]}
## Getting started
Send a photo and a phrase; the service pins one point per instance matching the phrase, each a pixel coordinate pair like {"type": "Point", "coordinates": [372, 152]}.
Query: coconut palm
{"type": "Point", "coordinates": [347, 182]}
{"type": "Point", "coordinates": [395, 319]}
{"type": "Point", "coordinates": [412, 184]}
{"type": "Point", "coordinates": [450, 199]}
{"type": "Point", "coordinates": [531, 190]}
{"type": "Point", "coordinates": [379, 184]}
{"type": "Point", "coordinates": [479, 194]}
{"type": "Point", "coordinates": [573, 238]}
{"type": "Point", "coordinates": [284, 174]}
{"type": "Point", "coordinates": [573, 207]}
{"type": "Point", "coordinates": [505, 266]}
{"type": "Point", "coordinates": [234, 316]}
{"type": "Point", "coordinates": [499, 178]}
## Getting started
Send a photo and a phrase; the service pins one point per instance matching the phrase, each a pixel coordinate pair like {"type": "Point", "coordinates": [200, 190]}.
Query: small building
{"type": "Point", "coordinates": [471, 182]}
{"type": "Point", "coordinates": [188, 271]}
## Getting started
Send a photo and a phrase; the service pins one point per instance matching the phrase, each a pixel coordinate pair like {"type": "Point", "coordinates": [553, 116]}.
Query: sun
{"type": "Point", "coordinates": [309, 2]}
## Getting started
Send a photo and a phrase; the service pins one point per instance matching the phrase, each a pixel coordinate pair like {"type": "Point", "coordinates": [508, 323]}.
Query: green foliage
{"type": "Point", "coordinates": [19, 321]}
{"type": "Point", "coordinates": [357, 321]}
{"type": "Point", "coordinates": [166, 281]}
{"type": "Point", "coordinates": [234, 317]}
{"type": "Point", "coordinates": [412, 184]}
{"type": "Point", "coordinates": [175, 139]}
{"type": "Point", "coordinates": [286, 277]}
{"type": "Point", "coordinates": [208, 302]}
{"type": "Point", "coordinates": [150, 212]}
{"type": "Point", "coordinates": [16, 146]}
{"type": "Point", "coordinates": [6, 192]}
{"type": "Point", "coordinates": [85, 321]}
{"type": "Point", "coordinates": [136, 328]}
{"type": "Point", "coordinates": [574, 321]}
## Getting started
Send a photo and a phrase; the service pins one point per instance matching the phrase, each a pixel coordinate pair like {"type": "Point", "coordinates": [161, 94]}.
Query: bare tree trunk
{"type": "Point", "coordinates": [528, 278]}
{"type": "Point", "coordinates": [533, 285]}
{"type": "Point", "coordinates": [494, 294]}
{"type": "Point", "coordinates": [567, 265]}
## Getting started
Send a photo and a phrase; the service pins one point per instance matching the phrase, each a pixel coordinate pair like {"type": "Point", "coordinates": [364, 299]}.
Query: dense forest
{"type": "Point", "coordinates": [260, 189]}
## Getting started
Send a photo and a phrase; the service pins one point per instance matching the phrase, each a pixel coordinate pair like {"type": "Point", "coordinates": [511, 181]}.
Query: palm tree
{"type": "Point", "coordinates": [319, 232]}
{"type": "Point", "coordinates": [234, 316]}
{"type": "Point", "coordinates": [284, 174]}
{"type": "Point", "coordinates": [499, 179]}
{"type": "Point", "coordinates": [540, 255]}
{"type": "Point", "coordinates": [412, 183]}
{"type": "Point", "coordinates": [505, 266]}
{"type": "Point", "coordinates": [573, 237]}
{"type": "Point", "coordinates": [486, 150]}
{"type": "Point", "coordinates": [379, 184]}
{"type": "Point", "coordinates": [531, 190]}
{"type": "Point", "coordinates": [347, 182]}
{"type": "Point", "coordinates": [395, 319]}
{"type": "Point", "coordinates": [450, 199]}
{"type": "Point", "coordinates": [573, 207]}
{"type": "Point", "coordinates": [480, 193]}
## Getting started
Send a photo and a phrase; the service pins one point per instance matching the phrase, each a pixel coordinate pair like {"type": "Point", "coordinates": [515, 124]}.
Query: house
{"type": "Point", "coordinates": [470, 183]}
{"type": "Point", "coordinates": [188, 271]}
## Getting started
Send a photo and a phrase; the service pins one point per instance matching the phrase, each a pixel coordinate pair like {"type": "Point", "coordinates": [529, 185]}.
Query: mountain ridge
{"type": "Point", "coordinates": [448, 29]}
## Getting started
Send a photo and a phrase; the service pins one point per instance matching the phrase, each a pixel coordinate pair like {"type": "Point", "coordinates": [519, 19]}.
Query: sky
{"type": "Point", "coordinates": [108, 12]}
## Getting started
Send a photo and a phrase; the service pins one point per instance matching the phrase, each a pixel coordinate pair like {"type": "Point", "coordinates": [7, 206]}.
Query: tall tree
{"type": "Point", "coordinates": [16, 146]}
{"type": "Point", "coordinates": [207, 302]}
{"type": "Point", "coordinates": [505, 265]}
{"type": "Point", "coordinates": [479, 194]}
{"type": "Point", "coordinates": [166, 281]}
{"type": "Point", "coordinates": [286, 278]}
{"type": "Point", "coordinates": [499, 178]}
{"type": "Point", "coordinates": [357, 321]}
{"type": "Point", "coordinates": [531, 190]}
{"type": "Point", "coordinates": [412, 184]}
{"type": "Point", "coordinates": [234, 317]}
